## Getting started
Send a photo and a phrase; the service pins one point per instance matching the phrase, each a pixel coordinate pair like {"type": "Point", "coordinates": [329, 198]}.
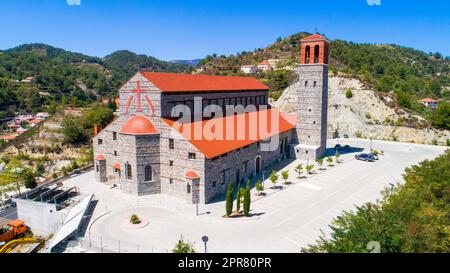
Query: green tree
{"type": "Point", "coordinates": [330, 161]}
{"type": "Point", "coordinates": [238, 198]}
{"type": "Point", "coordinates": [72, 130]}
{"type": "Point", "coordinates": [273, 178]}
{"type": "Point", "coordinates": [309, 168]}
{"type": "Point", "coordinates": [441, 116]}
{"type": "Point", "coordinates": [285, 176]}
{"type": "Point", "coordinates": [299, 170]}
{"type": "Point", "coordinates": [259, 187]}
{"type": "Point", "coordinates": [247, 199]}
{"type": "Point", "coordinates": [229, 199]}
{"type": "Point", "coordinates": [183, 246]}
{"type": "Point", "coordinates": [337, 156]}
{"type": "Point", "coordinates": [29, 179]}
{"type": "Point", "coordinates": [320, 163]}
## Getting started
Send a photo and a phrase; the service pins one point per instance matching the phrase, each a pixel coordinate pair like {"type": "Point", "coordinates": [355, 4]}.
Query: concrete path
{"type": "Point", "coordinates": [284, 220]}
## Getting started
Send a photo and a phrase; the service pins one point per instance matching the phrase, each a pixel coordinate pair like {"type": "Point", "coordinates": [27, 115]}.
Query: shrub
{"type": "Point", "coordinates": [348, 93]}
{"type": "Point", "coordinates": [368, 116]}
{"type": "Point", "coordinates": [183, 246]}
{"type": "Point", "coordinates": [285, 176]}
{"type": "Point", "coordinates": [299, 170]}
{"type": "Point", "coordinates": [320, 163]}
{"type": "Point", "coordinates": [330, 161]}
{"type": "Point", "coordinates": [434, 142]}
{"type": "Point", "coordinates": [134, 219]}
{"type": "Point", "coordinates": [259, 187]}
{"type": "Point", "coordinates": [309, 168]}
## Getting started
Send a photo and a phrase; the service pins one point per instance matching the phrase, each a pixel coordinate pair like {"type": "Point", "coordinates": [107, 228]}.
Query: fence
{"type": "Point", "coordinates": [102, 244]}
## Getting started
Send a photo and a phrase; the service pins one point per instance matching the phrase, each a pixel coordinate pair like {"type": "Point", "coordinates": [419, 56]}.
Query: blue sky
{"type": "Point", "coordinates": [183, 29]}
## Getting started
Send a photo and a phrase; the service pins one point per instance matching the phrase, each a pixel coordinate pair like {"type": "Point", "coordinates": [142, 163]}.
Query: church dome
{"type": "Point", "coordinates": [139, 125]}
{"type": "Point", "coordinates": [192, 175]}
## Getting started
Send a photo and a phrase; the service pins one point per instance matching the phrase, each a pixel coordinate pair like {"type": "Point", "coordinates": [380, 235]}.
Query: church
{"type": "Point", "coordinates": [189, 135]}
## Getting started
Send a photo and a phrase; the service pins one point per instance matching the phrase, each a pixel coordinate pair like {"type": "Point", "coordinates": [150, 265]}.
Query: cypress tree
{"type": "Point", "coordinates": [247, 199]}
{"type": "Point", "coordinates": [238, 198]}
{"type": "Point", "coordinates": [229, 199]}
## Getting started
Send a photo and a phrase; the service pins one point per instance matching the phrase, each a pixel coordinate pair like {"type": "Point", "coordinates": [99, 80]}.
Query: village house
{"type": "Point", "coordinates": [190, 136]}
{"type": "Point", "coordinates": [429, 102]}
{"type": "Point", "coordinates": [264, 66]}
{"type": "Point", "coordinates": [249, 69]}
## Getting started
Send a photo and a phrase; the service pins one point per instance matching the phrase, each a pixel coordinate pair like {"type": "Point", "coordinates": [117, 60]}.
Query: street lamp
{"type": "Point", "coordinates": [263, 178]}
{"type": "Point", "coordinates": [205, 240]}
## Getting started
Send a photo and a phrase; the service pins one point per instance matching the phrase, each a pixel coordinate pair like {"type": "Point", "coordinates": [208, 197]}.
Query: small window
{"type": "Point", "coordinates": [171, 143]}
{"type": "Point", "coordinates": [307, 152]}
{"type": "Point", "coordinates": [314, 122]}
{"type": "Point", "coordinates": [188, 188]}
{"type": "Point", "coordinates": [315, 83]}
{"type": "Point", "coordinates": [148, 173]}
{"type": "Point", "coordinates": [115, 153]}
{"type": "Point", "coordinates": [306, 83]}
{"type": "Point", "coordinates": [114, 136]}
{"type": "Point", "coordinates": [309, 136]}
{"type": "Point", "coordinates": [191, 155]}
{"type": "Point", "coordinates": [100, 141]}
{"type": "Point", "coordinates": [170, 180]}
{"type": "Point", "coordinates": [97, 168]}
{"type": "Point", "coordinates": [214, 184]}
{"type": "Point", "coordinates": [129, 175]}
{"type": "Point", "coordinates": [171, 163]}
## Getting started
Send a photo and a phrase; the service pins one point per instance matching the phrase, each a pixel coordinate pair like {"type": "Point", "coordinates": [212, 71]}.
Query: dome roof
{"type": "Point", "coordinates": [192, 175]}
{"type": "Point", "coordinates": [100, 157]}
{"type": "Point", "coordinates": [139, 125]}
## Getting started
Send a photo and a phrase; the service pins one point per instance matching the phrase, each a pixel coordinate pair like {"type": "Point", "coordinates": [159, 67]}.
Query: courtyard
{"type": "Point", "coordinates": [282, 221]}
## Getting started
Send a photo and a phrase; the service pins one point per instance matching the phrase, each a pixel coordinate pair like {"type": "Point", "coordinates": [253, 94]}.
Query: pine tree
{"type": "Point", "coordinates": [247, 199]}
{"type": "Point", "coordinates": [229, 199]}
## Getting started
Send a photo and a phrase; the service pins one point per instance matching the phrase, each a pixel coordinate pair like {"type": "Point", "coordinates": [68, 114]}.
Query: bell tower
{"type": "Point", "coordinates": [312, 105]}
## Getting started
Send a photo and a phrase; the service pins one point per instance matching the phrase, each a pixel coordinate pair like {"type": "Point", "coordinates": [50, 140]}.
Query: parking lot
{"type": "Point", "coordinates": [283, 221]}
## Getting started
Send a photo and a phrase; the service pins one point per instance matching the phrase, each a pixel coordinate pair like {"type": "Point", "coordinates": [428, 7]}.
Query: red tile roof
{"type": "Point", "coordinates": [100, 157]}
{"type": "Point", "coordinates": [172, 82]}
{"type": "Point", "coordinates": [428, 100]}
{"type": "Point", "coordinates": [139, 125]}
{"type": "Point", "coordinates": [237, 131]}
{"type": "Point", "coordinates": [10, 137]}
{"type": "Point", "coordinates": [314, 37]}
{"type": "Point", "coordinates": [192, 175]}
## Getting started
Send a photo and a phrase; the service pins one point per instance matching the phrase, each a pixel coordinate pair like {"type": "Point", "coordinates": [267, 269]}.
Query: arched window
{"type": "Point", "coordinates": [316, 54]}
{"type": "Point", "coordinates": [188, 188]}
{"type": "Point", "coordinates": [307, 54]}
{"type": "Point", "coordinates": [148, 173]}
{"type": "Point", "coordinates": [96, 168]}
{"type": "Point", "coordinates": [129, 174]}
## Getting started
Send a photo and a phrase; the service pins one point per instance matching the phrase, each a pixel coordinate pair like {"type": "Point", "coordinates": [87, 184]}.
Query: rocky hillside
{"type": "Point", "coordinates": [368, 113]}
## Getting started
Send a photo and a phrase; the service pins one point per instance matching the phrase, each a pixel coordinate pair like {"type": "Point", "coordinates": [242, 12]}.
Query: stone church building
{"type": "Point", "coordinates": [170, 136]}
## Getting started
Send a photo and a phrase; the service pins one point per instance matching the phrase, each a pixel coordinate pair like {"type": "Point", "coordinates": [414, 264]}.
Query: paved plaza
{"type": "Point", "coordinates": [282, 221]}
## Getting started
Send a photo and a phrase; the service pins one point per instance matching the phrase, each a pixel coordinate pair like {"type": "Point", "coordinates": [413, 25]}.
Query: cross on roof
{"type": "Point", "coordinates": [138, 91]}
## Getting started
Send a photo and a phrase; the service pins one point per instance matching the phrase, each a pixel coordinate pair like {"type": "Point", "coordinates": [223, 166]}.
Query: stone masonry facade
{"type": "Point", "coordinates": [162, 160]}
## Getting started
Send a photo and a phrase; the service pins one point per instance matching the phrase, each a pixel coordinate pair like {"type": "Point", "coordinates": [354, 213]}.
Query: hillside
{"type": "Point", "coordinates": [404, 74]}
{"type": "Point", "coordinates": [368, 114]}
{"type": "Point", "coordinates": [56, 76]}
{"type": "Point", "coordinates": [410, 73]}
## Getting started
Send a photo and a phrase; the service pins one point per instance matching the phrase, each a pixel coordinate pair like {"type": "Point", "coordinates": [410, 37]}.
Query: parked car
{"type": "Point", "coordinates": [375, 156]}
{"type": "Point", "coordinates": [345, 148]}
{"type": "Point", "coordinates": [365, 157]}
